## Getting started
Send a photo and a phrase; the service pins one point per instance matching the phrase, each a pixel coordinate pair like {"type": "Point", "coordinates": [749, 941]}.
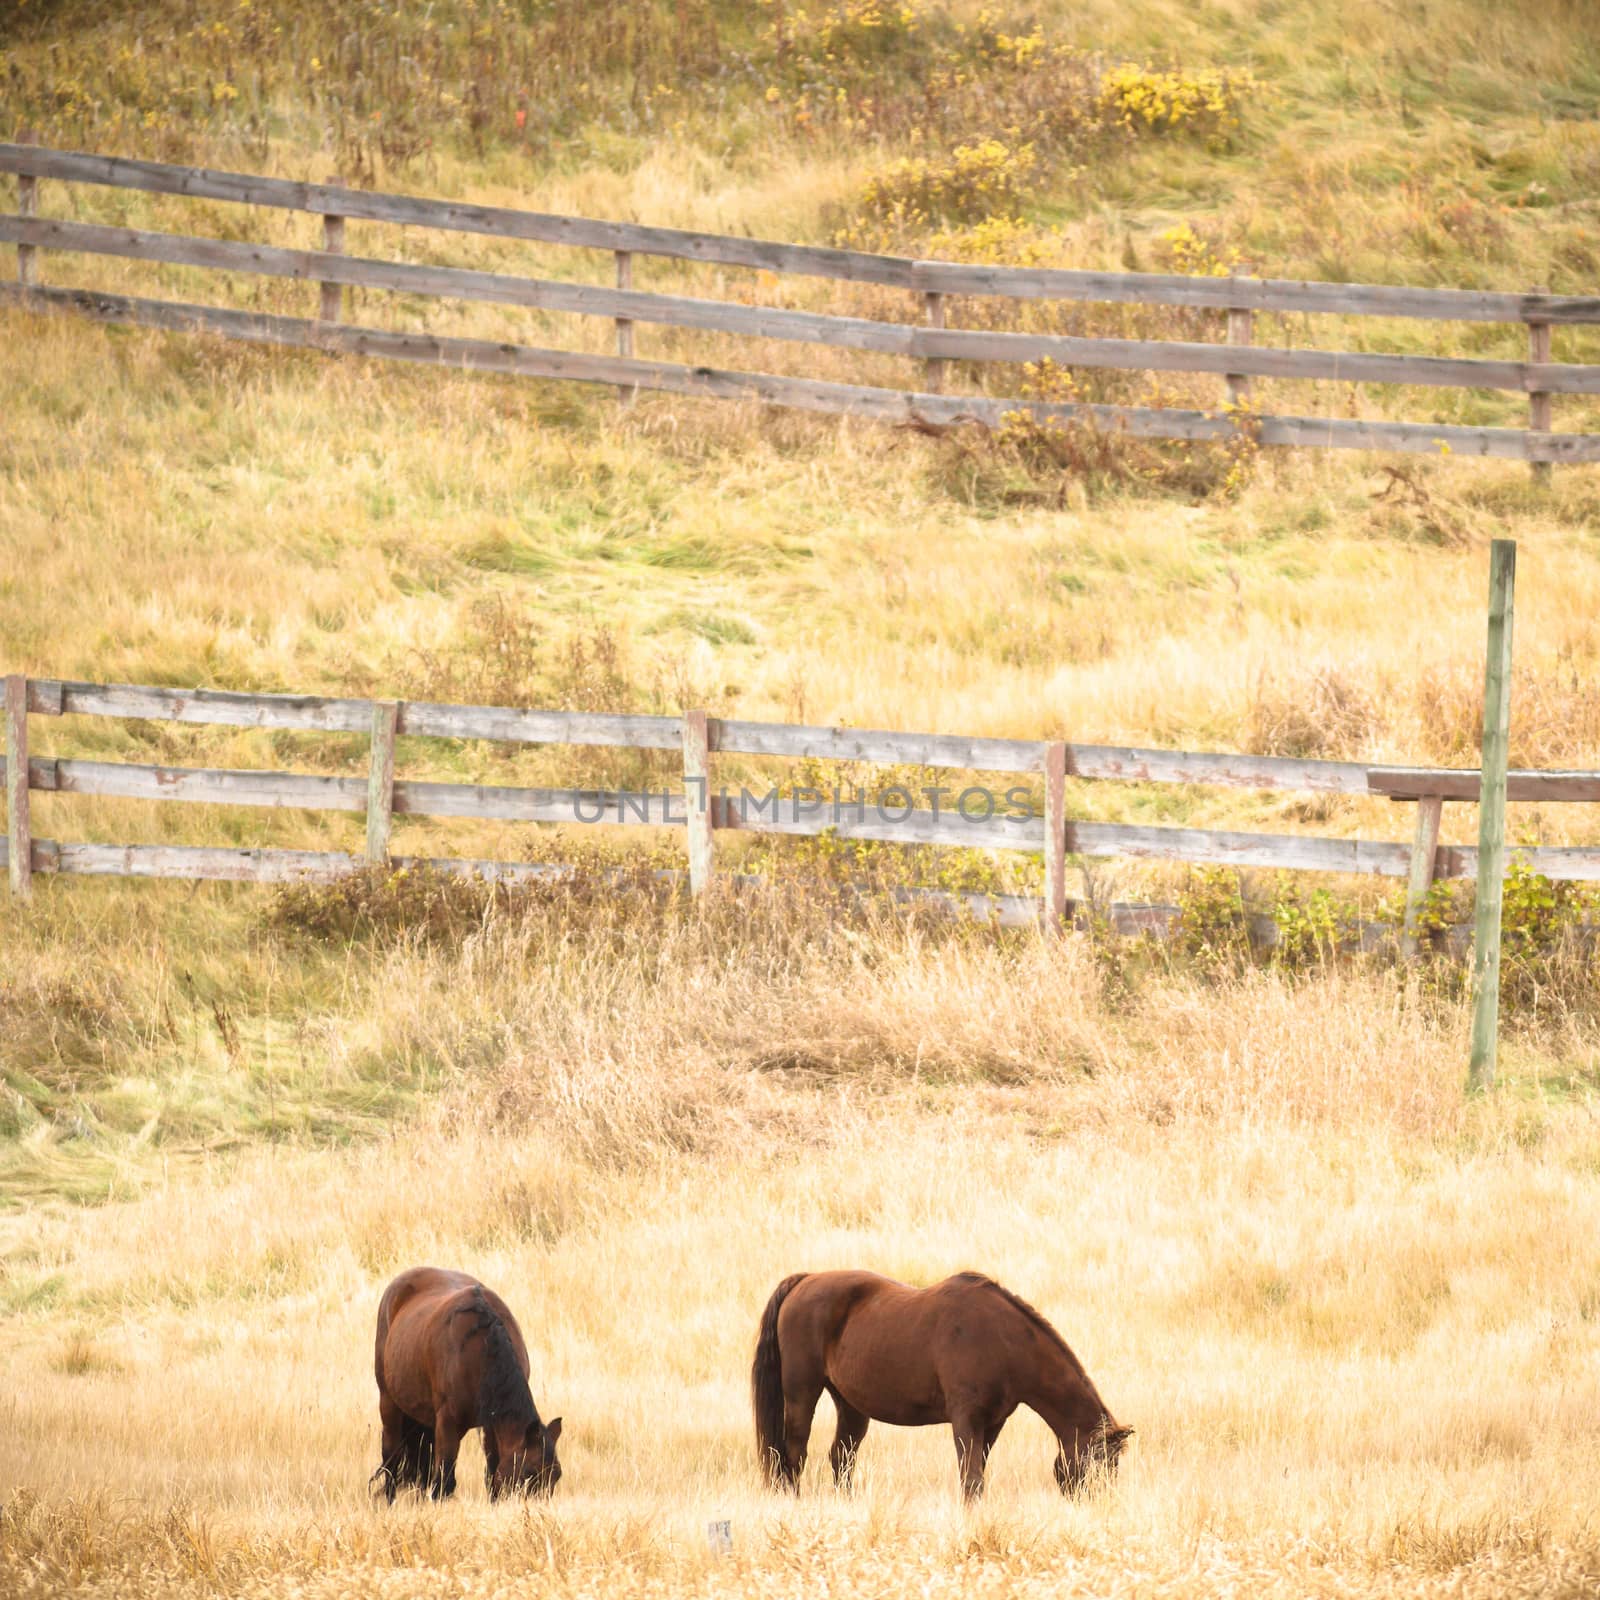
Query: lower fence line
{"type": "Point", "coordinates": [976, 817]}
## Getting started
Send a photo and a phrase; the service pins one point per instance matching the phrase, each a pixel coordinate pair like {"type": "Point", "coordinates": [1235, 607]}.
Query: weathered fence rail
{"type": "Point", "coordinates": [704, 808]}
{"type": "Point", "coordinates": [930, 341]}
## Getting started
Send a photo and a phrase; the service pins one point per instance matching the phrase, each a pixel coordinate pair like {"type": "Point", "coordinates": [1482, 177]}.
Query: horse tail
{"type": "Point", "coordinates": [766, 1387]}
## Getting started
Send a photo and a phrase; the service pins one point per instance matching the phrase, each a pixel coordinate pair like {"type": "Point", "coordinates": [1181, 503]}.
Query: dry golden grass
{"type": "Point", "coordinates": [1354, 1319]}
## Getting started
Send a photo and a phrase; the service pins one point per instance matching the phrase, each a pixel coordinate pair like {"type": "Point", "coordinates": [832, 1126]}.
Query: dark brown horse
{"type": "Point", "coordinates": [966, 1352]}
{"type": "Point", "coordinates": [450, 1358]}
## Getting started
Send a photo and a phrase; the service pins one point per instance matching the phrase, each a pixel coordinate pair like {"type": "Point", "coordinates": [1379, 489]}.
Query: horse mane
{"type": "Point", "coordinates": [1041, 1322]}
{"type": "Point", "coordinates": [503, 1393]}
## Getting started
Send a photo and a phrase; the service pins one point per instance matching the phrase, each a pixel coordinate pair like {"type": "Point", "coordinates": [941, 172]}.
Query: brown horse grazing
{"type": "Point", "coordinates": [966, 1352]}
{"type": "Point", "coordinates": [450, 1358]}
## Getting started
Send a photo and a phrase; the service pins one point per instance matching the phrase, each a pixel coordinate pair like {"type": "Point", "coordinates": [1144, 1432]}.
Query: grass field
{"type": "Point", "coordinates": [1354, 1317]}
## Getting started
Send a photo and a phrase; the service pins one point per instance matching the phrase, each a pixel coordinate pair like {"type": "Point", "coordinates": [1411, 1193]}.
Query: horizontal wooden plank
{"type": "Point", "coordinates": [214, 864]}
{"type": "Point", "coordinates": [888, 405]}
{"type": "Point", "coordinates": [1560, 863]}
{"type": "Point", "coordinates": [661, 809]}
{"type": "Point", "coordinates": [316, 792]}
{"type": "Point", "coordinates": [227, 707]}
{"type": "Point", "coordinates": [1343, 856]}
{"type": "Point", "coordinates": [1207, 847]}
{"type": "Point", "coordinates": [945, 277]}
{"type": "Point", "coordinates": [966, 754]}
{"type": "Point", "coordinates": [760, 322]}
{"type": "Point", "coordinates": [1261, 361]}
{"type": "Point", "coordinates": [511, 725]}
{"type": "Point", "coordinates": [1350, 856]}
{"type": "Point", "coordinates": [872, 745]}
{"type": "Point", "coordinates": [1258, 294]}
{"type": "Point", "coordinates": [322, 714]}
{"type": "Point", "coordinates": [205, 863]}
{"type": "Point", "coordinates": [1420, 438]}
{"type": "Point", "coordinates": [455, 216]}
{"type": "Point", "coordinates": [1132, 765]}
{"type": "Point", "coordinates": [208, 786]}
{"type": "Point", "coordinates": [1410, 783]}
{"type": "Point", "coordinates": [886, 823]}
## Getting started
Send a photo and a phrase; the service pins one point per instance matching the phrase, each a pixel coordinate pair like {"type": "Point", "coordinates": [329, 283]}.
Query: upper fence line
{"type": "Point", "coordinates": [704, 810]}
{"type": "Point", "coordinates": [933, 342]}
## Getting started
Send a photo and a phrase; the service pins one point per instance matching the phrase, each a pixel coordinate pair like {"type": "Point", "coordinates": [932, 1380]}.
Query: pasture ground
{"type": "Point", "coordinates": [1354, 1318]}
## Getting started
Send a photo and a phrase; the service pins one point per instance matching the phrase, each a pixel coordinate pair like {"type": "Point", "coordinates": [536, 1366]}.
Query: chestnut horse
{"type": "Point", "coordinates": [965, 1351]}
{"type": "Point", "coordinates": [450, 1358]}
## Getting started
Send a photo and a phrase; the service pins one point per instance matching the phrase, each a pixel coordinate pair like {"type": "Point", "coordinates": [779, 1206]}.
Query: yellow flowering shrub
{"type": "Point", "coordinates": [997, 242]}
{"type": "Point", "coordinates": [1181, 249]}
{"type": "Point", "coordinates": [1207, 103]}
{"type": "Point", "coordinates": [976, 181]}
{"type": "Point", "coordinates": [861, 29]}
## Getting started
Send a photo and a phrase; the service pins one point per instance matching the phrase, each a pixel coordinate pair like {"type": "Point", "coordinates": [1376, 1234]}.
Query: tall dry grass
{"type": "Point", "coordinates": [1353, 1317]}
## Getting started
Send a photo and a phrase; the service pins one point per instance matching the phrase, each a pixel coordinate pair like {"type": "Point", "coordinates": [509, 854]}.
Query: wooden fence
{"type": "Point", "coordinates": [977, 818]}
{"type": "Point", "coordinates": [930, 284]}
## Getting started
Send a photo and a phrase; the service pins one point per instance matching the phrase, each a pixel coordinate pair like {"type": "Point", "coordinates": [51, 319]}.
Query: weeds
{"type": "Point", "coordinates": [1317, 711]}
{"type": "Point", "coordinates": [1039, 459]}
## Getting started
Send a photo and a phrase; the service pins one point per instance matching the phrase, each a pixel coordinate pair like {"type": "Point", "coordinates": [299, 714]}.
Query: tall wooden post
{"type": "Point", "coordinates": [1055, 836]}
{"type": "Point", "coordinates": [333, 243]}
{"type": "Point", "coordinates": [19, 832]}
{"type": "Point", "coordinates": [380, 779]}
{"type": "Point", "coordinates": [697, 798]}
{"type": "Point", "coordinates": [1424, 852]}
{"type": "Point", "coordinates": [1541, 415]}
{"type": "Point", "coordinates": [933, 367]}
{"type": "Point", "coordinates": [1492, 815]}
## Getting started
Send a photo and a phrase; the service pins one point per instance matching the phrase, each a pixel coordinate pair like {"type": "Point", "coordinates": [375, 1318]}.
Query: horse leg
{"type": "Point", "coordinates": [446, 1446]}
{"type": "Point", "coordinates": [389, 1462]}
{"type": "Point", "coordinates": [398, 1465]}
{"type": "Point", "coordinates": [847, 1439]}
{"type": "Point", "coordinates": [416, 1456]}
{"type": "Point", "coordinates": [798, 1410]}
{"type": "Point", "coordinates": [973, 1438]}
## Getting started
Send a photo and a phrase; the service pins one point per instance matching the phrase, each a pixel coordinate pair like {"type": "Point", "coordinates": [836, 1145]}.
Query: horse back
{"type": "Point", "coordinates": [901, 1354]}
{"type": "Point", "coordinates": [421, 1340]}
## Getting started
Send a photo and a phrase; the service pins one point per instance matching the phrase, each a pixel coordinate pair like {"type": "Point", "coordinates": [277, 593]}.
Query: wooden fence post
{"type": "Point", "coordinates": [1540, 411]}
{"type": "Point", "coordinates": [19, 834]}
{"type": "Point", "coordinates": [933, 367]}
{"type": "Point", "coordinates": [625, 324]}
{"type": "Point", "coordinates": [1241, 331]}
{"type": "Point", "coordinates": [1492, 815]}
{"type": "Point", "coordinates": [1055, 836]}
{"type": "Point", "coordinates": [27, 206]}
{"type": "Point", "coordinates": [333, 243]}
{"type": "Point", "coordinates": [1424, 852]}
{"type": "Point", "coordinates": [697, 798]}
{"type": "Point", "coordinates": [380, 779]}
